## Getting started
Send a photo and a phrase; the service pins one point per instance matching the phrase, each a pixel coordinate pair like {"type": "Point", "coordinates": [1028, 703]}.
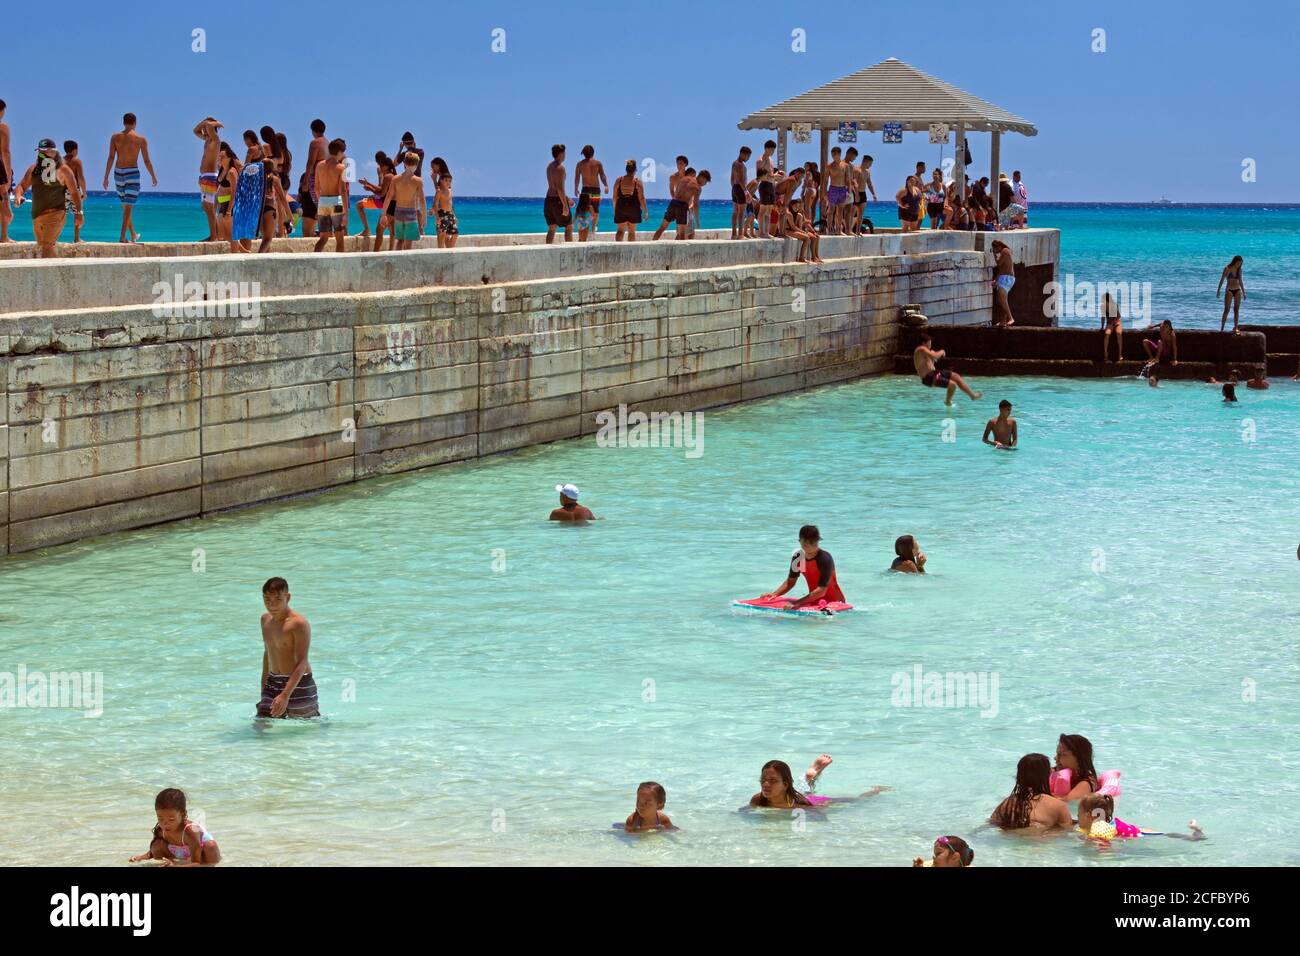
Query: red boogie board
{"type": "Point", "coordinates": [778, 606]}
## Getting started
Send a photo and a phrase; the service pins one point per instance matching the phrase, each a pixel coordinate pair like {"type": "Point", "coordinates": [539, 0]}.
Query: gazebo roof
{"type": "Point", "coordinates": [890, 91]}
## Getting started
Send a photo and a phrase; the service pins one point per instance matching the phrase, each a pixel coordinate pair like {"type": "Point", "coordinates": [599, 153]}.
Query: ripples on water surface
{"type": "Point", "coordinates": [516, 698]}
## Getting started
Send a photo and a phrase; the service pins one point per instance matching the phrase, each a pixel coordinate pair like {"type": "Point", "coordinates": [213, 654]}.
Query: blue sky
{"type": "Point", "coordinates": [1183, 94]}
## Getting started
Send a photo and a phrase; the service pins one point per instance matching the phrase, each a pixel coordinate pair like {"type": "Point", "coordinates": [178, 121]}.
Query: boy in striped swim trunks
{"type": "Point", "coordinates": [207, 131]}
{"type": "Point", "coordinates": [288, 689]}
{"type": "Point", "coordinates": [407, 191]}
{"type": "Point", "coordinates": [125, 150]}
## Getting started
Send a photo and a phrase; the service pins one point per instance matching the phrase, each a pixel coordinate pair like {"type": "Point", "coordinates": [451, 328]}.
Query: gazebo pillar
{"type": "Point", "coordinates": [821, 193]}
{"type": "Point", "coordinates": [995, 159]}
{"type": "Point", "coordinates": [959, 164]}
{"type": "Point", "coordinates": [780, 148]}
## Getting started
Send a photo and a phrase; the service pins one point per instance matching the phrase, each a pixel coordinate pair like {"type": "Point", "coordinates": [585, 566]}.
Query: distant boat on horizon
{"type": "Point", "coordinates": [1162, 201]}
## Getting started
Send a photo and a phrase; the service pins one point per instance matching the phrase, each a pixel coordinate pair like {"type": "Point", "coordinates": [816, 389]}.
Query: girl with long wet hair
{"type": "Point", "coordinates": [1074, 753]}
{"type": "Point", "coordinates": [1031, 803]}
{"type": "Point", "coordinates": [1236, 292]}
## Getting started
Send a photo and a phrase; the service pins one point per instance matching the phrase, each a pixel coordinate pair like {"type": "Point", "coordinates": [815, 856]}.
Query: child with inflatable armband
{"type": "Point", "coordinates": [949, 851]}
{"type": "Point", "coordinates": [649, 815]}
{"type": "Point", "coordinates": [1105, 826]}
{"type": "Point", "coordinates": [1062, 782]}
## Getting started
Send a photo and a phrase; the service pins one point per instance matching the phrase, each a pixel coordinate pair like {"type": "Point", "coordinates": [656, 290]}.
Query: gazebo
{"type": "Point", "coordinates": [891, 92]}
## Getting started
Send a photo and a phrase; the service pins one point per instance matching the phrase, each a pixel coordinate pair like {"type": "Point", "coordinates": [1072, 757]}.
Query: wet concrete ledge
{"type": "Point", "coordinates": [1077, 353]}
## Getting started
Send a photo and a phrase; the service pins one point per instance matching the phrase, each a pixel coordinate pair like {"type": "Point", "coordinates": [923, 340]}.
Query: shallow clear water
{"type": "Point", "coordinates": [1125, 575]}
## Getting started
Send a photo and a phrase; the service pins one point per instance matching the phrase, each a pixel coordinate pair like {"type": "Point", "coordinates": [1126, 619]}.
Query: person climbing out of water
{"type": "Point", "coordinates": [818, 568]}
{"type": "Point", "coordinates": [924, 358]}
{"type": "Point", "coordinates": [777, 790]}
{"type": "Point", "coordinates": [1164, 348]}
{"type": "Point", "coordinates": [909, 558]}
{"type": "Point", "coordinates": [178, 840]}
{"type": "Point", "coordinates": [1074, 753]}
{"type": "Point", "coordinates": [1004, 279]}
{"type": "Point", "coordinates": [1236, 292]}
{"type": "Point", "coordinates": [1111, 324]}
{"type": "Point", "coordinates": [1003, 428]}
{"type": "Point", "coordinates": [569, 509]}
{"type": "Point", "coordinates": [949, 851]}
{"type": "Point", "coordinates": [1097, 821]}
{"type": "Point", "coordinates": [1031, 803]}
{"type": "Point", "coordinates": [649, 813]}
{"type": "Point", "coordinates": [288, 688]}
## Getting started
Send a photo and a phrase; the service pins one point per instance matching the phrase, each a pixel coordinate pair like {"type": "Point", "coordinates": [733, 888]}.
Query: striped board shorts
{"type": "Point", "coordinates": [128, 185]}
{"type": "Point", "coordinates": [207, 188]}
{"type": "Point", "coordinates": [302, 703]}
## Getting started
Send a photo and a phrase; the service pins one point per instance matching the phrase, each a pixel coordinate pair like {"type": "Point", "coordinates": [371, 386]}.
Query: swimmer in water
{"type": "Point", "coordinates": [1031, 804]}
{"type": "Point", "coordinates": [1074, 753]}
{"type": "Point", "coordinates": [924, 357]}
{"type": "Point", "coordinates": [1003, 428]}
{"type": "Point", "coordinates": [777, 790]}
{"type": "Point", "coordinates": [649, 815]}
{"type": "Point", "coordinates": [949, 851]}
{"type": "Point", "coordinates": [1229, 392]}
{"type": "Point", "coordinates": [1260, 379]}
{"type": "Point", "coordinates": [288, 688]}
{"type": "Point", "coordinates": [178, 840]}
{"type": "Point", "coordinates": [910, 558]}
{"type": "Point", "coordinates": [1097, 821]}
{"type": "Point", "coordinates": [569, 509]}
{"type": "Point", "coordinates": [818, 568]}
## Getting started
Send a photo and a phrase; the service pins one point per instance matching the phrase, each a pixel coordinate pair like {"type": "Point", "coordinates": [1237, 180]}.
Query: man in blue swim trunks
{"type": "Point", "coordinates": [1004, 278]}
{"type": "Point", "coordinates": [924, 358]}
{"type": "Point", "coordinates": [125, 150]}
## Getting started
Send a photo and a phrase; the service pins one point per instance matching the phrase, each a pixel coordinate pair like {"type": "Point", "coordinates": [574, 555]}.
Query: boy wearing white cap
{"type": "Point", "coordinates": [569, 509]}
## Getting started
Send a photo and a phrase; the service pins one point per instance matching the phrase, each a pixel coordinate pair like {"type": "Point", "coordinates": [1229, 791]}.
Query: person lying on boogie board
{"type": "Point", "coordinates": [818, 568]}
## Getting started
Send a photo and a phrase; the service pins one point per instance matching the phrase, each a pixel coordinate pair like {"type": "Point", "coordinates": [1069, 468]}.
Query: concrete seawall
{"type": "Point", "coordinates": [340, 367]}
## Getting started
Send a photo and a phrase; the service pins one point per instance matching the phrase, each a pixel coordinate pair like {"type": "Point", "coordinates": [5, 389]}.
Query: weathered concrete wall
{"type": "Point", "coordinates": [118, 414]}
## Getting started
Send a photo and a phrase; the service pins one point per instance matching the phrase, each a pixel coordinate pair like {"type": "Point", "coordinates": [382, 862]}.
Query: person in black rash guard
{"type": "Point", "coordinates": [817, 567]}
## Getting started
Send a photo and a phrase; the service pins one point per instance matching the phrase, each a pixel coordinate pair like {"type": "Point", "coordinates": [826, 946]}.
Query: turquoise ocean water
{"type": "Point", "coordinates": [1179, 250]}
{"type": "Point", "coordinates": [495, 686]}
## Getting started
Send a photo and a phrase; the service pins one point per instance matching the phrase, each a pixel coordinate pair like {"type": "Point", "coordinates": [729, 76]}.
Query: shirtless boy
{"type": "Point", "coordinates": [837, 172]}
{"type": "Point", "coordinates": [445, 214]}
{"type": "Point", "coordinates": [739, 177]}
{"type": "Point", "coordinates": [79, 174]}
{"type": "Point", "coordinates": [206, 130]}
{"type": "Point", "coordinates": [569, 509]}
{"type": "Point", "coordinates": [1002, 428]}
{"type": "Point", "coordinates": [685, 194]}
{"type": "Point", "coordinates": [1004, 279]}
{"type": "Point", "coordinates": [924, 358]}
{"type": "Point", "coordinates": [406, 192]}
{"type": "Point", "coordinates": [6, 177]}
{"type": "Point", "coordinates": [588, 180]}
{"type": "Point", "coordinates": [556, 206]}
{"type": "Point", "coordinates": [332, 208]}
{"type": "Point", "coordinates": [307, 194]}
{"type": "Point", "coordinates": [125, 150]}
{"type": "Point", "coordinates": [766, 189]}
{"type": "Point", "coordinates": [673, 180]}
{"type": "Point", "coordinates": [288, 689]}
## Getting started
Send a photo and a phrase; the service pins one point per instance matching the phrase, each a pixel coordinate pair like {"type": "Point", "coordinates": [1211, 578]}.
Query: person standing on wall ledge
{"type": "Point", "coordinates": [7, 180]}
{"type": "Point", "coordinates": [1236, 292]}
{"type": "Point", "coordinates": [54, 191]}
{"type": "Point", "coordinates": [739, 177]}
{"type": "Point", "coordinates": [288, 688]}
{"type": "Point", "coordinates": [125, 150]}
{"type": "Point", "coordinates": [818, 568]}
{"type": "Point", "coordinates": [1022, 200]}
{"type": "Point", "coordinates": [556, 207]}
{"type": "Point", "coordinates": [569, 509]}
{"type": "Point", "coordinates": [1004, 278]}
{"type": "Point", "coordinates": [924, 357]}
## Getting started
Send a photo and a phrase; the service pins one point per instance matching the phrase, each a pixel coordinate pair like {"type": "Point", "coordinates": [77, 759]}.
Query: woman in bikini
{"type": "Point", "coordinates": [228, 167]}
{"type": "Point", "coordinates": [1110, 324]}
{"type": "Point", "coordinates": [629, 203]}
{"type": "Point", "coordinates": [1165, 347]}
{"type": "Point", "coordinates": [1236, 292]}
{"type": "Point", "coordinates": [1031, 804]}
